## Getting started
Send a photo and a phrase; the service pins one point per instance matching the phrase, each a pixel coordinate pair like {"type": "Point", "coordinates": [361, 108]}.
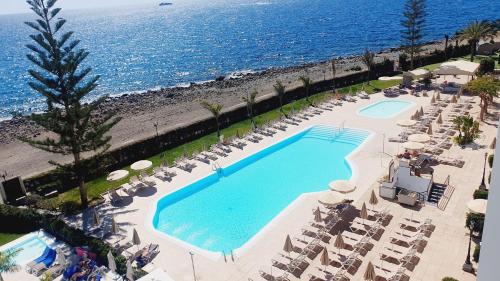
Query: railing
{"type": "Point", "coordinates": [216, 168]}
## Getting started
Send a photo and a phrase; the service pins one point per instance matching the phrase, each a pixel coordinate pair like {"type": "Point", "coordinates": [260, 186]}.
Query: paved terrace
{"type": "Point", "coordinates": [443, 256]}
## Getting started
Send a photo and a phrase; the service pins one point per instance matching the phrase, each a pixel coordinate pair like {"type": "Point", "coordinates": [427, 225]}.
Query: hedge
{"type": "Point", "coordinates": [16, 220]}
{"type": "Point", "coordinates": [480, 194]}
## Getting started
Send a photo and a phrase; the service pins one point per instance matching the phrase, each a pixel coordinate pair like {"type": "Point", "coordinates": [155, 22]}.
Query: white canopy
{"type": "Point", "coordinates": [459, 67]}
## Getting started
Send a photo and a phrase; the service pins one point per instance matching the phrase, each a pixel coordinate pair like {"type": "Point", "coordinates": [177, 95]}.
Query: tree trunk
{"type": "Point", "coordinates": [1, 278]}
{"type": "Point", "coordinates": [472, 50]}
{"type": "Point", "coordinates": [218, 128]}
{"type": "Point", "coordinates": [481, 114]}
{"type": "Point", "coordinates": [81, 181]}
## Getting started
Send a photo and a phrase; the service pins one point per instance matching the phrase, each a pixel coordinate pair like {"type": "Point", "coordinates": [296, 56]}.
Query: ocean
{"type": "Point", "coordinates": [136, 48]}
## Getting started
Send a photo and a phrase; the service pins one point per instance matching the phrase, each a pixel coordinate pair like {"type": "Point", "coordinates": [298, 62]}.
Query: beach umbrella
{"type": "Point", "coordinates": [61, 259]}
{"type": "Point", "coordinates": [330, 198]}
{"type": "Point", "coordinates": [141, 165]}
{"type": "Point", "coordinates": [429, 130]}
{"type": "Point", "coordinates": [477, 206]}
{"type": "Point", "coordinates": [111, 262]}
{"type": "Point", "coordinates": [438, 96]}
{"type": "Point", "coordinates": [130, 271]}
{"type": "Point", "coordinates": [440, 119]}
{"type": "Point", "coordinates": [369, 272]}
{"type": "Point", "coordinates": [342, 186]}
{"type": "Point", "coordinates": [363, 213]}
{"type": "Point", "coordinates": [373, 199]}
{"type": "Point", "coordinates": [317, 216]}
{"type": "Point", "coordinates": [410, 145]}
{"type": "Point", "coordinates": [95, 218]}
{"type": "Point", "coordinates": [325, 259]}
{"type": "Point", "coordinates": [114, 226]}
{"type": "Point", "coordinates": [422, 138]}
{"type": "Point", "coordinates": [433, 100]}
{"type": "Point", "coordinates": [135, 239]}
{"type": "Point", "coordinates": [454, 99]}
{"type": "Point", "coordinates": [117, 175]}
{"type": "Point", "coordinates": [413, 117]}
{"type": "Point", "coordinates": [493, 144]}
{"type": "Point", "coordinates": [406, 123]}
{"type": "Point", "coordinates": [339, 242]}
{"type": "Point", "coordinates": [288, 247]}
{"type": "Point", "coordinates": [421, 113]}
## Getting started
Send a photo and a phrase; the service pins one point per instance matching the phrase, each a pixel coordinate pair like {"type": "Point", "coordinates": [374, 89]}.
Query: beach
{"type": "Point", "coordinates": [169, 107]}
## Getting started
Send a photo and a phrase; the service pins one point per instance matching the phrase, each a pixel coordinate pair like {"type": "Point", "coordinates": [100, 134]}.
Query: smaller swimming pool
{"type": "Point", "coordinates": [385, 109]}
{"type": "Point", "coordinates": [29, 247]}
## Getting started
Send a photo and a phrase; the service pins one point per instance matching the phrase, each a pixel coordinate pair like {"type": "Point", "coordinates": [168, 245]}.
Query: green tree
{"type": "Point", "coordinates": [474, 32]}
{"type": "Point", "coordinates": [59, 76]}
{"type": "Point", "coordinates": [446, 39]}
{"type": "Point", "coordinates": [475, 221]}
{"type": "Point", "coordinates": [486, 87]}
{"type": "Point", "coordinates": [280, 90]}
{"type": "Point", "coordinates": [7, 263]}
{"type": "Point", "coordinates": [368, 60]}
{"type": "Point", "coordinates": [306, 83]}
{"type": "Point", "coordinates": [468, 129]}
{"type": "Point", "coordinates": [413, 27]}
{"type": "Point", "coordinates": [250, 101]}
{"type": "Point", "coordinates": [215, 109]}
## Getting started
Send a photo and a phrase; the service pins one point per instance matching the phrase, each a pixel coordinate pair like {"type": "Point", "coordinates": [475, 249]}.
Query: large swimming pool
{"type": "Point", "coordinates": [222, 211]}
{"type": "Point", "coordinates": [385, 109]}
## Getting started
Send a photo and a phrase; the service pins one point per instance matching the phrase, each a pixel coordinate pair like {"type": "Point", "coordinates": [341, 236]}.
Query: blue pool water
{"type": "Point", "coordinates": [223, 211]}
{"type": "Point", "coordinates": [385, 109]}
{"type": "Point", "coordinates": [145, 46]}
{"type": "Point", "coordinates": [29, 250]}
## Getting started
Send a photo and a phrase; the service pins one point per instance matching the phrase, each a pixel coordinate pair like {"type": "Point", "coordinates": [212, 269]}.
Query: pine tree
{"type": "Point", "coordinates": [58, 75]}
{"type": "Point", "coordinates": [413, 27]}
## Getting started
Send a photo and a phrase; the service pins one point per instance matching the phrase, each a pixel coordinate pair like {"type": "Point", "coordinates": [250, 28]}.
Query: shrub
{"type": "Point", "coordinates": [480, 194]}
{"type": "Point", "coordinates": [356, 68]}
{"type": "Point", "coordinates": [449, 279]}
{"type": "Point", "coordinates": [490, 160]}
{"type": "Point", "coordinates": [70, 208]}
{"type": "Point", "coordinates": [477, 251]}
{"type": "Point", "coordinates": [486, 65]}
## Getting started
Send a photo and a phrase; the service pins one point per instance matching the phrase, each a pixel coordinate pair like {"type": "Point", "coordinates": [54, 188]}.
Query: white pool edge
{"type": "Point", "coordinates": [215, 256]}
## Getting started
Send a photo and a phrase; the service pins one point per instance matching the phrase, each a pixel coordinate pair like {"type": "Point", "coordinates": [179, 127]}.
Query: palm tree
{"type": "Point", "coordinates": [474, 32]}
{"type": "Point", "coordinates": [250, 101]}
{"type": "Point", "coordinates": [215, 109]}
{"type": "Point", "coordinates": [280, 90]}
{"type": "Point", "coordinates": [368, 59]}
{"type": "Point", "coordinates": [306, 83]}
{"type": "Point", "coordinates": [446, 38]}
{"type": "Point", "coordinates": [334, 72]}
{"type": "Point", "coordinates": [7, 263]}
{"type": "Point", "coordinates": [486, 88]}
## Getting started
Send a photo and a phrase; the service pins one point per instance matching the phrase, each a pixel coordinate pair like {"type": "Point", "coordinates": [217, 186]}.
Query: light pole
{"type": "Point", "coordinates": [468, 265]}
{"type": "Point", "coordinates": [482, 186]}
{"type": "Point", "coordinates": [192, 263]}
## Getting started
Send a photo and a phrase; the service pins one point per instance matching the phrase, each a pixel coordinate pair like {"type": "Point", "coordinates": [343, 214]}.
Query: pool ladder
{"type": "Point", "coordinates": [217, 168]}
{"type": "Point", "coordinates": [230, 253]}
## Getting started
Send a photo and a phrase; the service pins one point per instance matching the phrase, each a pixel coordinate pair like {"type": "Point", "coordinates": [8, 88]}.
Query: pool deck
{"type": "Point", "coordinates": [443, 256]}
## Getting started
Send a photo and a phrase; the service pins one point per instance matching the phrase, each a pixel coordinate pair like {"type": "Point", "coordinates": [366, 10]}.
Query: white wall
{"type": "Point", "coordinates": [489, 260]}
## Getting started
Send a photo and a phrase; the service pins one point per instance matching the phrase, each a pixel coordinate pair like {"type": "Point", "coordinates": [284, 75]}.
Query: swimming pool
{"type": "Point", "coordinates": [29, 247]}
{"type": "Point", "coordinates": [385, 109]}
{"type": "Point", "coordinates": [222, 211]}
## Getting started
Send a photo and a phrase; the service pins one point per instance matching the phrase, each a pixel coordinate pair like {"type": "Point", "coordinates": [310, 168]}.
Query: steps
{"type": "Point", "coordinates": [331, 133]}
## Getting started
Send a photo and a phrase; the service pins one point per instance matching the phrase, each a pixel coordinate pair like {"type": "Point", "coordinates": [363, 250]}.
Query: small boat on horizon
{"type": "Point", "coordinates": [166, 3]}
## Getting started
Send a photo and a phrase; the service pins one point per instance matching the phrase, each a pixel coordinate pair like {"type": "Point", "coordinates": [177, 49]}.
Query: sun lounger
{"type": "Point", "coordinates": [408, 241]}
{"type": "Point", "coordinates": [202, 159]}
{"type": "Point", "coordinates": [209, 156]}
{"type": "Point", "coordinates": [146, 254]}
{"type": "Point", "coordinates": [44, 264]}
{"type": "Point", "coordinates": [146, 179]}
{"type": "Point", "coordinates": [279, 275]}
{"type": "Point", "coordinates": [114, 197]}
{"type": "Point", "coordinates": [279, 126]}
{"type": "Point", "coordinates": [389, 271]}
{"type": "Point", "coordinates": [38, 260]}
{"type": "Point", "coordinates": [401, 254]}
{"type": "Point", "coordinates": [330, 274]}
{"type": "Point", "coordinates": [355, 240]}
{"type": "Point", "coordinates": [224, 148]}
{"type": "Point", "coordinates": [418, 226]}
{"type": "Point", "coordinates": [55, 270]}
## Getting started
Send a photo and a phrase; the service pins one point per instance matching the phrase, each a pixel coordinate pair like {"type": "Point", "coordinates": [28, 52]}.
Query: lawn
{"type": "Point", "coordinates": [7, 237]}
{"type": "Point", "coordinates": [99, 186]}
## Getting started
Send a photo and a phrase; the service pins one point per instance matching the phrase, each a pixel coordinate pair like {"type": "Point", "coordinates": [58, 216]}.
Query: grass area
{"type": "Point", "coordinates": [99, 186]}
{"type": "Point", "coordinates": [431, 67]}
{"type": "Point", "coordinates": [7, 237]}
